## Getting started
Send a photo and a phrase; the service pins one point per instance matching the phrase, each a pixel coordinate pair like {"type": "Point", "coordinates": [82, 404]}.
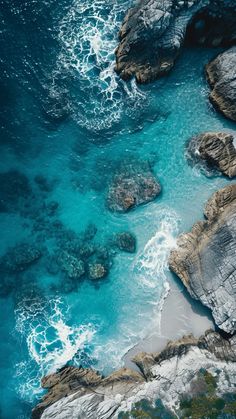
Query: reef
{"type": "Point", "coordinates": [204, 258]}
{"type": "Point", "coordinates": [216, 150]}
{"type": "Point", "coordinates": [153, 33]}
{"type": "Point", "coordinates": [19, 258]}
{"type": "Point", "coordinates": [187, 366]}
{"type": "Point", "coordinates": [221, 75]}
{"type": "Point", "coordinates": [132, 185]}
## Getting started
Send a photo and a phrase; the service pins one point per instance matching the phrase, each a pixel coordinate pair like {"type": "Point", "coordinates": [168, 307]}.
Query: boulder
{"type": "Point", "coordinates": [216, 149]}
{"type": "Point", "coordinates": [153, 33]}
{"type": "Point", "coordinates": [205, 258]}
{"type": "Point", "coordinates": [133, 184]}
{"type": "Point", "coordinates": [221, 75]}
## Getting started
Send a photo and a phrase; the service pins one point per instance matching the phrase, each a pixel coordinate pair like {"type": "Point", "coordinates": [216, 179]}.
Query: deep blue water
{"type": "Point", "coordinates": [66, 116]}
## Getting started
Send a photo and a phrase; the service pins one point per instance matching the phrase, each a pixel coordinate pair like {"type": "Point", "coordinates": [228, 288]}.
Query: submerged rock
{"type": "Point", "coordinates": [153, 33]}
{"type": "Point", "coordinates": [14, 187]}
{"type": "Point", "coordinates": [205, 258]}
{"type": "Point", "coordinates": [133, 184]}
{"type": "Point", "coordinates": [216, 149]}
{"type": "Point", "coordinates": [97, 270]}
{"type": "Point", "coordinates": [168, 375]}
{"type": "Point", "coordinates": [221, 74]}
{"type": "Point", "coordinates": [72, 266]}
{"type": "Point", "coordinates": [19, 258]}
{"type": "Point", "coordinates": [126, 241]}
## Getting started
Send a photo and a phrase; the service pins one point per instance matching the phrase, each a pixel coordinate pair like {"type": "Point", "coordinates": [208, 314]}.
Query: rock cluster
{"type": "Point", "coordinates": [133, 184]}
{"type": "Point", "coordinates": [216, 149]}
{"type": "Point", "coordinates": [168, 375]}
{"type": "Point", "coordinates": [153, 33]}
{"type": "Point", "coordinates": [204, 258]}
{"type": "Point", "coordinates": [221, 74]}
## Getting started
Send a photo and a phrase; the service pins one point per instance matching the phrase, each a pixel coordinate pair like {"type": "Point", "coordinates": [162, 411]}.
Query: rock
{"type": "Point", "coordinates": [153, 33]}
{"type": "Point", "coordinates": [133, 184]}
{"type": "Point", "coordinates": [14, 187]}
{"type": "Point", "coordinates": [221, 74]}
{"type": "Point", "coordinates": [97, 270]}
{"type": "Point", "coordinates": [216, 149]}
{"type": "Point", "coordinates": [169, 376]}
{"type": "Point", "coordinates": [126, 241]}
{"type": "Point", "coordinates": [72, 266]}
{"type": "Point", "coordinates": [19, 258]}
{"type": "Point", "coordinates": [204, 258]}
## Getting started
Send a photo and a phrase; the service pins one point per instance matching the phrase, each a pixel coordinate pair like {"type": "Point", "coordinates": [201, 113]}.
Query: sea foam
{"type": "Point", "coordinates": [50, 341]}
{"type": "Point", "coordinates": [88, 38]}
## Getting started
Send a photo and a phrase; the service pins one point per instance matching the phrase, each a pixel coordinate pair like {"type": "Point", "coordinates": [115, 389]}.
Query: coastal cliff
{"type": "Point", "coordinates": [153, 33]}
{"type": "Point", "coordinates": [204, 258]}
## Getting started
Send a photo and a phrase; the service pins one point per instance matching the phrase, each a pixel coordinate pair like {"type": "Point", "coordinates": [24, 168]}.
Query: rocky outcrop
{"type": "Point", "coordinates": [205, 258]}
{"type": "Point", "coordinates": [153, 33]}
{"type": "Point", "coordinates": [216, 149]}
{"type": "Point", "coordinates": [221, 74]}
{"type": "Point", "coordinates": [133, 184]}
{"type": "Point", "coordinates": [168, 375]}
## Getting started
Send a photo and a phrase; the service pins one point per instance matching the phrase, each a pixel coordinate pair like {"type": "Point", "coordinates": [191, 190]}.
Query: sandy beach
{"type": "Point", "coordinates": [180, 315]}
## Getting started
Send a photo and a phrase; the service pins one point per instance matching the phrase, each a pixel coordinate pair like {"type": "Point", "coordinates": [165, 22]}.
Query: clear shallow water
{"type": "Point", "coordinates": [57, 61]}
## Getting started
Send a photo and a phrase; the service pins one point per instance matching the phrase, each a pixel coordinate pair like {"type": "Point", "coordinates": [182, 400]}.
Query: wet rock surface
{"type": "Point", "coordinates": [153, 33]}
{"type": "Point", "coordinates": [133, 184]}
{"type": "Point", "coordinates": [221, 74]}
{"type": "Point", "coordinates": [204, 258]}
{"type": "Point", "coordinates": [167, 375]}
{"type": "Point", "coordinates": [216, 149]}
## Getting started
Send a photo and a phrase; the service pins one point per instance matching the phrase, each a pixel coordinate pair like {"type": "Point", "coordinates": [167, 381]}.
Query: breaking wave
{"type": "Point", "coordinates": [50, 341]}
{"type": "Point", "coordinates": [88, 38]}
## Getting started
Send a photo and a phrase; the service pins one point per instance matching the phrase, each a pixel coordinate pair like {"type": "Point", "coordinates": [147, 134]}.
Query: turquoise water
{"type": "Point", "coordinates": [68, 60]}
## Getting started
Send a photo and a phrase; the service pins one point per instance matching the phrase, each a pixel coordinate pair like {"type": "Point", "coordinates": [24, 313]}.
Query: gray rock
{"type": "Point", "coordinates": [205, 258]}
{"type": "Point", "coordinates": [19, 258]}
{"type": "Point", "coordinates": [133, 184]}
{"type": "Point", "coordinates": [221, 74]}
{"type": "Point", "coordinates": [153, 33]}
{"type": "Point", "coordinates": [216, 149]}
{"type": "Point", "coordinates": [84, 394]}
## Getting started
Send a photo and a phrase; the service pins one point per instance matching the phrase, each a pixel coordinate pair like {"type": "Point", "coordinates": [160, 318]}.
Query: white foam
{"type": "Point", "coordinates": [51, 343]}
{"type": "Point", "coordinates": [88, 38]}
{"type": "Point", "coordinates": [151, 265]}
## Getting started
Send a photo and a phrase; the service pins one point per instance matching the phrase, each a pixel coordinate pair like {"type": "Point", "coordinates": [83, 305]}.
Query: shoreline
{"type": "Point", "coordinates": [180, 315]}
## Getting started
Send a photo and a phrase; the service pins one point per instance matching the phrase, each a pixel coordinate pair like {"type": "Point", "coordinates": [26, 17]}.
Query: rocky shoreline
{"type": "Point", "coordinates": [168, 375]}
{"type": "Point", "coordinates": [189, 373]}
{"type": "Point", "coordinates": [153, 33]}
